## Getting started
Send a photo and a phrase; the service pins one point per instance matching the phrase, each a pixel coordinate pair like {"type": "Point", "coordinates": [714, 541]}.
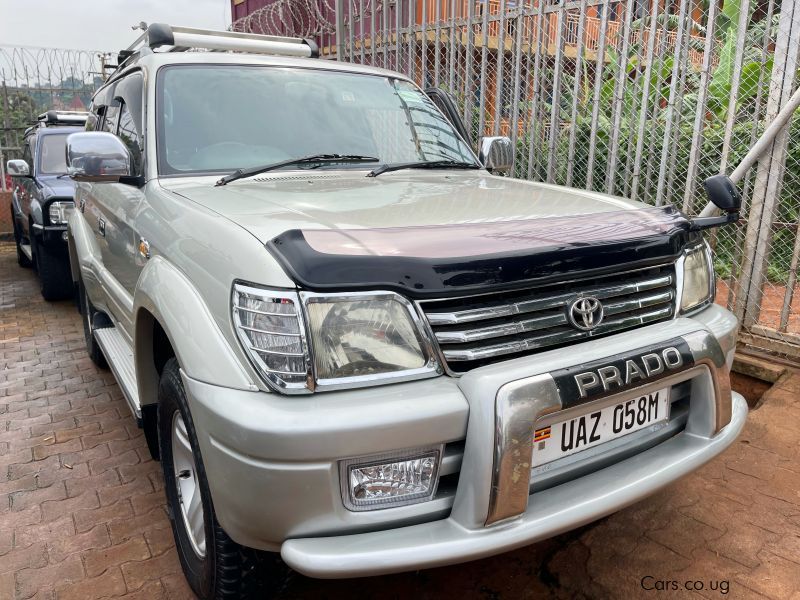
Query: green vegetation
{"type": "Point", "coordinates": [747, 126]}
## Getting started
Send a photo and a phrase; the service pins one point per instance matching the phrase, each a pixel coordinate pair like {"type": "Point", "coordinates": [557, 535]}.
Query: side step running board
{"type": "Point", "coordinates": [119, 355]}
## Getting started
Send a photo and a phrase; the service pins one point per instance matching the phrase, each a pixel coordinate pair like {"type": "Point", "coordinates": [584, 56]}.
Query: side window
{"type": "Point", "coordinates": [129, 133]}
{"type": "Point", "coordinates": [110, 118]}
{"type": "Point", "coordinates": [100, 102]}
{"type": "Point", "coordinates": [27, 153]}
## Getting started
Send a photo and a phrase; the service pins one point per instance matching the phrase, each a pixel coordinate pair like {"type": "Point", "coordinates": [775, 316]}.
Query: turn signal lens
{"type": "Point", "coordinates": [269, 327]}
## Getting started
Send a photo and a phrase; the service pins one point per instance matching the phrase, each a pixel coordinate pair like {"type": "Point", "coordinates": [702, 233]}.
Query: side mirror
{"type": "Point", "coordinates": [723, 194]}
{"type": "Point", "coordinates": [497, 154]}
{"type": "Point", "coordinates": [98, 156]}
{"type": "Point", "coordinates": [18, 168]}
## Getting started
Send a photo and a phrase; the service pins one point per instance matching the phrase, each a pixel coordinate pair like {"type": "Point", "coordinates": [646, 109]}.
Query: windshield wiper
{"type": "Point", "coordinates": [314, 158]}
{"type": "Point", "coordinates": [425, 164]}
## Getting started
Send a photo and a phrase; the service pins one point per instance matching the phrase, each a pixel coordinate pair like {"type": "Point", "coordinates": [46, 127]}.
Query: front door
{"type": "Point", "coordinates": [111, 208]}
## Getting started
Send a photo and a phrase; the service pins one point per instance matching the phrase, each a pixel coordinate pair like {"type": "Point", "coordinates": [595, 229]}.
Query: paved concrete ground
{"type": "Point", "coordinates": [82, 510]}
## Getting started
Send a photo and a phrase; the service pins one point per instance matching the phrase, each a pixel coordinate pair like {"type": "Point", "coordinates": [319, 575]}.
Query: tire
{"type": "Point", "coordinates": [87, 311]}
{"type": "Point", "coordinates": [22, 259]}
{"type": "Point", "coordinates": [214, 565]}
{"type": "Point", "coordinates": [55, 279]}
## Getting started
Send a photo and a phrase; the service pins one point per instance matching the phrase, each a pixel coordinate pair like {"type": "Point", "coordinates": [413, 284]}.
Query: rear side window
{"type": "Point", "coordinates": [52, 154]}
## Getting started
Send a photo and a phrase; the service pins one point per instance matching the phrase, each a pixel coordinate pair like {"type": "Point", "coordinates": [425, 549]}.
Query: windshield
{"type": "Point", "coordinates": [52, 154]}
{"type": "Point", "coordinates": [221, 118]}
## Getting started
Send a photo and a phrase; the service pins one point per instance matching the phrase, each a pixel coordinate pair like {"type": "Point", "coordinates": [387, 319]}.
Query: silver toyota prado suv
{"type": "Point", "coordinates": [352, 342]}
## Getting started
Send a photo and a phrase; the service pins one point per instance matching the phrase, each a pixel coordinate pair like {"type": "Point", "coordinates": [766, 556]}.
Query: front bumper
{"type": "Point", "coordinates": [554, 511]}
{"type": "Point", "coordinates": [272, 461]}
{"type": "Point", "coordinates": [52, 236]}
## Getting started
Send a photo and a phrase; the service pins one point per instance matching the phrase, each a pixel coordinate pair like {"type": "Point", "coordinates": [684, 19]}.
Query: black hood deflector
{"type": "Point", "coordinates": [453, 260]}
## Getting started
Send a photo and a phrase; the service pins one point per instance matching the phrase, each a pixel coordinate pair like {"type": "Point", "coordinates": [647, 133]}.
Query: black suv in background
{"type": "Point", "coordinates": [42, 196]}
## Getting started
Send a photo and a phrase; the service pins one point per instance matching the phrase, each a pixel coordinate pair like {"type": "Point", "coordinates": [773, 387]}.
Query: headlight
{"type": "Point", "coordinates": [363, 336]}
{"type": "Point", "coordinates": [59, 211]}
{"type": "Point", "coordinates": [698, 278]}
{"type": "Point", "coordinates": [354, 340]}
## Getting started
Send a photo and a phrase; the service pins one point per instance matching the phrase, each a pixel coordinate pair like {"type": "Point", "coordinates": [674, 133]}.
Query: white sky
{"type": "Point", "coordinates": [100, 24]}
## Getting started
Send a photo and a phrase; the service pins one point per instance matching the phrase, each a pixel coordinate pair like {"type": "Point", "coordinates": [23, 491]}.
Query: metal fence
{"type": "Point", "coordinates": [38, 79]}
{"type": "Point", "coordinates": [638, 98]}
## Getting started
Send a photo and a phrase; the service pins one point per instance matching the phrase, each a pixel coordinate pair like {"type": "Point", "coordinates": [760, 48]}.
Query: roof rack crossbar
{"type": "Point", "coordinates": [160, 35]}
{"type": "Point", "coordinates": [63, 117]}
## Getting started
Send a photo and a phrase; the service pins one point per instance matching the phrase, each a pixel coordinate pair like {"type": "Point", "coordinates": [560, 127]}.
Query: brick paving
{"type": "Point", "coordinates": [82, 510]}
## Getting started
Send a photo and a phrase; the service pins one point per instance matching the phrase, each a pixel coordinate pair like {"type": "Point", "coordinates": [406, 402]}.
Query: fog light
{"type": "Point", "coordinates": [390, 480]}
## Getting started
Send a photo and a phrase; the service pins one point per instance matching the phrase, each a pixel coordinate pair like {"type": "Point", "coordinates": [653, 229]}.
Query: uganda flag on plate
{"type": "Point", "coordinates": [541, 435]}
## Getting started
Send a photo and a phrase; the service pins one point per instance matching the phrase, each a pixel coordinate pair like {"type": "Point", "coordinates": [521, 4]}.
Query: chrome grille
{"type": "Point", "coordinates": [478, 330]}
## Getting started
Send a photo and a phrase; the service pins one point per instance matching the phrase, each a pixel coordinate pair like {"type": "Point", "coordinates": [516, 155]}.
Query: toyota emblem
{"type": "Point", "coordinates": [585, 313]}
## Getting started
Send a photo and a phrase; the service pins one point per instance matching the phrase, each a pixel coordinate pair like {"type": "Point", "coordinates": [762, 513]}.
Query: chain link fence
{"type": "Point", "coordinates": [639, 98]}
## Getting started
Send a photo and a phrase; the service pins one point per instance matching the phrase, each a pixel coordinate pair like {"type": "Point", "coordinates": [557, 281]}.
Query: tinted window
{"type": "Point", "coordinates": [52, 154]}
{"type": "Point", "coordinates": [222, 118]}
{"type": "Point", "coordinates": [27, 153]}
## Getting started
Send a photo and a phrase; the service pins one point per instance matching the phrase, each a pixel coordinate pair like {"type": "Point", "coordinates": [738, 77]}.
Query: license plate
{"type": "Point", "coordinates": [597, 427]}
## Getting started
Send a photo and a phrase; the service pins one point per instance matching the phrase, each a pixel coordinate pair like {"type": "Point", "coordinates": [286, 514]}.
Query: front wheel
{"type": "Point", "coordinates": [215, 566]}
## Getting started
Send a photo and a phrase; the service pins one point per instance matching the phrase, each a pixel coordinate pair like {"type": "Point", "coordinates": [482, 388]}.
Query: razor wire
{"type": "Point", "coordinates": [35, 80]}
{"type": "Point", "coordinates": [301, 18]}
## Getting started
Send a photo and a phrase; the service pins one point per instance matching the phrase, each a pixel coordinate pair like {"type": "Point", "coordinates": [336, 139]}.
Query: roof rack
{"type": "Point", "coordinates": [176, 39]}
{"type": "Point", "coordinates": [63, 117]}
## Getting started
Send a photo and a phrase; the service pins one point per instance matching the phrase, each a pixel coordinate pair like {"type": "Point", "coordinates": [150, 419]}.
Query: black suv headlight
{"type": "Point", "coordinates": [58, 211]}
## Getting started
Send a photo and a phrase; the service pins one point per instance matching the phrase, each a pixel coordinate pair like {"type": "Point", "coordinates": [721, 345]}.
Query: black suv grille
{"type": "Point", "coordinates": [477, 330]}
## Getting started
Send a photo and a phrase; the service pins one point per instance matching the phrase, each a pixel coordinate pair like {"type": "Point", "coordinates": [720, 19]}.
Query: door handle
{"type": "Point", "coordinates": [101, 226]}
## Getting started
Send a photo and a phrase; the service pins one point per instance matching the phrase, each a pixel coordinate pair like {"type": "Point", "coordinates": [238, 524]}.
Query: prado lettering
{"type": "Point", "coordinates": [617, 373]}
{"type": "Point", "coordinates": [611, 376]}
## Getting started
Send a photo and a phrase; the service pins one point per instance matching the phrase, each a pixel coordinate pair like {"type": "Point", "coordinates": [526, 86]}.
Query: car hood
{"type": "Point", "coordinates": [439, 233]}
{"type": "Point", "coordinates": [271, 204]}
{"type": "Point", "coordinates": [52, 186]}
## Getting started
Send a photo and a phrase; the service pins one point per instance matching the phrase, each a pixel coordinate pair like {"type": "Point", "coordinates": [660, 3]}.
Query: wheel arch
{"type": "Point", "coordinates": [171, 319]}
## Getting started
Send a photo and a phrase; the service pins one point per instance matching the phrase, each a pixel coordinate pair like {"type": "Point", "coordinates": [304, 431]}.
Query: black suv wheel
{"type": "Point", "coordinates": [215, 566]}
